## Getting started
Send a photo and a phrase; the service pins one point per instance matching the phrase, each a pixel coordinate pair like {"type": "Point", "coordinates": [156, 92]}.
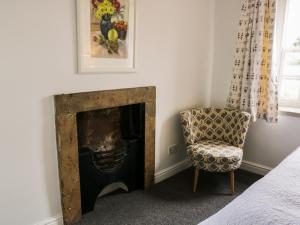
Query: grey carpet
{"type": "Point", "coordinates": [170, 202]}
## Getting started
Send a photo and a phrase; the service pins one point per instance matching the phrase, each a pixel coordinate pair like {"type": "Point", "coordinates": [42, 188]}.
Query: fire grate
{"type": "Point", "coordinates": [111, 160]}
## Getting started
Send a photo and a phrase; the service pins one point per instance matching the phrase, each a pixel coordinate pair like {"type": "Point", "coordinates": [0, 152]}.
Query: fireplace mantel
{"type": "Point", "coordinates": [66, 107]}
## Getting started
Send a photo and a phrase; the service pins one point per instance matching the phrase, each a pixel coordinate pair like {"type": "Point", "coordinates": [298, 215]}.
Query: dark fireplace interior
{"type": "Point", "coordinates": [111, 151]}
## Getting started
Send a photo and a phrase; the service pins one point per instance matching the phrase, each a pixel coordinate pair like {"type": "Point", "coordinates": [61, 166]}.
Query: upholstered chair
{"type": "Point", "coordinates": [215, 139]}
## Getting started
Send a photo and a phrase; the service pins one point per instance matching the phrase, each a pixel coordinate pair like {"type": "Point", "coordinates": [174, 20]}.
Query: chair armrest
{"type": "Point", "coordinates": [187, 127]}
{"type": "Point", "coordinates": [240, 129]}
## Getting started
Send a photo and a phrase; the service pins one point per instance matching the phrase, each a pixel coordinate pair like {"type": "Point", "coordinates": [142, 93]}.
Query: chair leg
{"type": "Point", "coordinates": [232, 182]}
{"type": "Point", "coordinates": [196, 179]}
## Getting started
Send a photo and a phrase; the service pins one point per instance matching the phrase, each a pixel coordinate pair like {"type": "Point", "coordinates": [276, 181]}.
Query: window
{"type": "Point", "coordinates": [288, 32]}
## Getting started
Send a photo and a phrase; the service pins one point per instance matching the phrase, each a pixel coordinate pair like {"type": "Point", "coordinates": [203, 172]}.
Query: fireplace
{"type": "Point", "coordinates": [111, 151]}
{"type": "Point", "coordinates": [104, 138]}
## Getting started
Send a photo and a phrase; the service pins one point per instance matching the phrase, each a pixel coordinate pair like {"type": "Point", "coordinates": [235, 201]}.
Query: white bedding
{"type": "Point", "coordinates": [274, 199]}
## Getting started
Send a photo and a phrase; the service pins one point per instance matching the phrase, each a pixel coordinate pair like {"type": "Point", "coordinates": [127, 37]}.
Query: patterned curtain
{"type": "Point", "coordinates": [253, 87]}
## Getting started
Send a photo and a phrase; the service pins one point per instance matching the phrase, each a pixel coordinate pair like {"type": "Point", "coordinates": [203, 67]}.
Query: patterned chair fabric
{"type": "Point", "coordinates": [215, 137]}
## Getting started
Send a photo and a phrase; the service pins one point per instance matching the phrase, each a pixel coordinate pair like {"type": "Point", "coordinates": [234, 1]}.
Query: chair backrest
{"type": "Point", "coordinates": [228, 125]}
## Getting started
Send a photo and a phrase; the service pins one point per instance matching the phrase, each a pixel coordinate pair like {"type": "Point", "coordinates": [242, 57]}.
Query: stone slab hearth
{"type": "Point", "coordinates": [67, 106]}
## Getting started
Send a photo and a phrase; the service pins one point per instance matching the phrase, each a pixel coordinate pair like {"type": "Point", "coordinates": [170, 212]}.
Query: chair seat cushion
{"type": "Point", "coordinates": [215, 156]}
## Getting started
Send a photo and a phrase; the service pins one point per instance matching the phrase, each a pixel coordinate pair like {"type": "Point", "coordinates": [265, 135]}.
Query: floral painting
{"type": "Point", "coordinates": [109, 26]}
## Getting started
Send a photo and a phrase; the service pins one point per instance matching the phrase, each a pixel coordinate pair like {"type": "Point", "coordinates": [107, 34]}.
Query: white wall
{"type": "Point", "coordinates": [266, 144]}
{"type": "Point", "coordinates": [38, 60]}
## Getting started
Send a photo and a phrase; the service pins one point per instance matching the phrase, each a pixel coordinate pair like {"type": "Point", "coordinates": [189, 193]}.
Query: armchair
{"type": "Point", "coordinates": [215, 139]}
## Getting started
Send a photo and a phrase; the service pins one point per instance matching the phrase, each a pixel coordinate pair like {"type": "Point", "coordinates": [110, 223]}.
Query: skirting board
{"type": "Point", "coordinates": [53, 221]}
{"type": "Point", "coordinates": [255, 168]}
{"type": "Point", "coordinates": [172, 170]}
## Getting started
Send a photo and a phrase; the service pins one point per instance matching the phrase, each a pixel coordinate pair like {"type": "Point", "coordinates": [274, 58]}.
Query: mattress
{"type": "Point", "coordinates": [274, 199]}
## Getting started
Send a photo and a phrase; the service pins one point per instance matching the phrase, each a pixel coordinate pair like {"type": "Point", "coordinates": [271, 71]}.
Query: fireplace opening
{"type": "Point", "coordinates": [111, 147]}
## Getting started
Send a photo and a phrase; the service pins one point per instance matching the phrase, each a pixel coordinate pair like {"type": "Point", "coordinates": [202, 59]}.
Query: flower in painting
{"type": "Point", "coordinates": [117, 5]}
{"type": "Point", "coordinates": [104, 7]}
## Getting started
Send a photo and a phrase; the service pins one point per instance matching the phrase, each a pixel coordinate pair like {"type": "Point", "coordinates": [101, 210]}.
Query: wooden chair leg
{"type": "Point", "coordinates": [232, 182]}
{"type": "Point", "coordinates": [196, 179]}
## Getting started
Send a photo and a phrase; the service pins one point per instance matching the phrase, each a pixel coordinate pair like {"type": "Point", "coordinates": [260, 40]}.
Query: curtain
{"type": "Point", "coordinates": [253, 87]}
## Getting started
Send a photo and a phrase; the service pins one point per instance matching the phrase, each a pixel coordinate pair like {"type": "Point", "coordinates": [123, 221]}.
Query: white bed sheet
{"type": "Point", "coordinates": [274, 199]}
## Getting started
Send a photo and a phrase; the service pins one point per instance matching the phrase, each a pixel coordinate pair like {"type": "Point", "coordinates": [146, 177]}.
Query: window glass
{"type": "Point", "coordinates": [290, 89]}
{"type": "Point", "coordinates": [291, 64]}
{"type": "Point", "coordinates": [292, 29]}
{"type": "Point", "coordinates": [289, 73]}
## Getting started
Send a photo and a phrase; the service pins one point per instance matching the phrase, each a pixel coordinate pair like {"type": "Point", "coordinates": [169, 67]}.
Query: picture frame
{"type": "Point", "coordinates": [106, 36]}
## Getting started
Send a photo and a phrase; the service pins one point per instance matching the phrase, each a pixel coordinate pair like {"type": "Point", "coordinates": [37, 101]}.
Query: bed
{"type": "Point", "coordinates": [274, 199]}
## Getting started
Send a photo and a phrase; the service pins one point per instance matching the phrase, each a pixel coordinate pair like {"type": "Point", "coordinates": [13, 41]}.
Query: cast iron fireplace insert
{"type": "Point", "coordinates": [111, 150]}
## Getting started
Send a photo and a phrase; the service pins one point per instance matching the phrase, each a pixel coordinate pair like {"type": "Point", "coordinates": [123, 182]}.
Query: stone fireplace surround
{"type": "Point", "coordinates": [67, 106]}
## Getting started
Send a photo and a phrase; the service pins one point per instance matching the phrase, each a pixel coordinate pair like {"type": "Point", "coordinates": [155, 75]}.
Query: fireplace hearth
{"type": "Point", "coordinates": [95, 153]}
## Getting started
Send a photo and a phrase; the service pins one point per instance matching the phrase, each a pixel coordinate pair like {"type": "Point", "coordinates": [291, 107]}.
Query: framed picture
{"type": "Point", "coordinates": [106, 36]}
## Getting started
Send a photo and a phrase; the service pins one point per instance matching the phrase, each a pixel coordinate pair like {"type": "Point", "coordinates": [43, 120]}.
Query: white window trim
{"type": "Point", "coordinates": [289, 111]}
